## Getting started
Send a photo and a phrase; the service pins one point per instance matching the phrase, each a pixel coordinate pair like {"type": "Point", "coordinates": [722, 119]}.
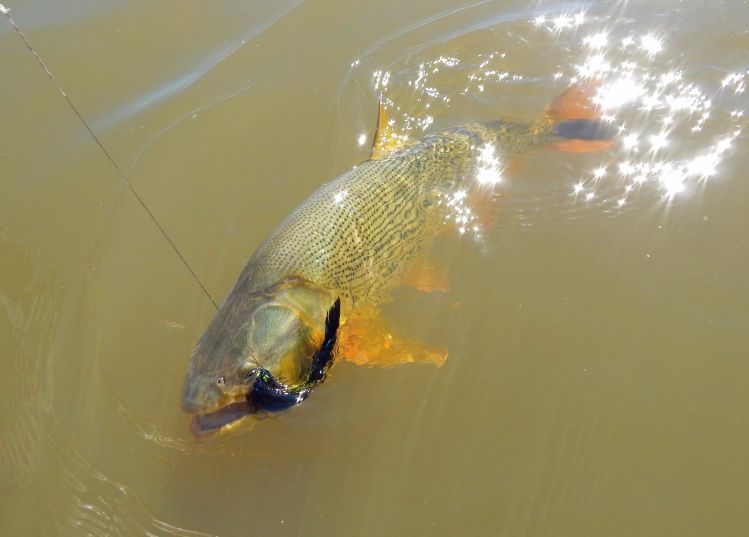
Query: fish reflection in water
{"type": "Point", "coordinates": [339, 254]}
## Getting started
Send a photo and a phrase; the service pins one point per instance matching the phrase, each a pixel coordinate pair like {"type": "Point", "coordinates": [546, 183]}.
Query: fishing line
{"type": "Point", "coordinates": [5, 11]}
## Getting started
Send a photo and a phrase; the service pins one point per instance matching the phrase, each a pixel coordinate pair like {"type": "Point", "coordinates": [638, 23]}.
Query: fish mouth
{"type": "Point", "coordinates": [221, 420]}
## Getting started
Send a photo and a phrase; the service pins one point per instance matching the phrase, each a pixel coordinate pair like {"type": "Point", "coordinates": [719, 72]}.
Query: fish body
{"type": "Point", "coordinates": [353, 239]}
{"type": "Point", "coordinates": [358, 234]}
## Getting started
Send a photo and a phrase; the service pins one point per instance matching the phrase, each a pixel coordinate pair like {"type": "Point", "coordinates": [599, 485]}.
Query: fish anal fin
{"type": "Point", "coordinates": [486, 205]}
{"type": "Point", "coordinates": [427, 275]}
{"type": "Point", "coordinates": [485, 201]}
{"type": "Point", "coordinates": [365, 339]}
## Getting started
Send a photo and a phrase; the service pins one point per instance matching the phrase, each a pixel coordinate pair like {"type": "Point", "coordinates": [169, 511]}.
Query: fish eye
{"type": "Point", "coordinates": [221, 381]}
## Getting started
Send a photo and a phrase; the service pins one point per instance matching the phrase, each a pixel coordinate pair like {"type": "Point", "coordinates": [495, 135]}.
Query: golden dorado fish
{"type": "Point", "coordinates": [349, 244]}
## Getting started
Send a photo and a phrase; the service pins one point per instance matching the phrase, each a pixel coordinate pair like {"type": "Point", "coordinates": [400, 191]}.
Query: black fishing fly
{"type": "Point", "coordinates": [267, 394]}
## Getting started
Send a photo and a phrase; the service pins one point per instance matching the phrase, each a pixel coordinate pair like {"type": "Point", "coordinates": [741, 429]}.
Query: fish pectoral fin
{"type": "Point", "coordinates": [427, 275]}
{"type": "Point", "coordinates": [365, 339]}
{"type": "Point", "coordinates": [386, 138]}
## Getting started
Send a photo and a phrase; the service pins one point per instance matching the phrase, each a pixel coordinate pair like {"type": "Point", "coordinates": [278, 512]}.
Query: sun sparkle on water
{"type": "Point", "coordinates": [646, 93]}
{"type": "Point", "coordinates": [664, 114]}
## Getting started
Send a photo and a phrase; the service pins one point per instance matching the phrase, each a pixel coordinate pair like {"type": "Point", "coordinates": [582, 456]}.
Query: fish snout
{"type": "Point", "coordinates": [199, 397]}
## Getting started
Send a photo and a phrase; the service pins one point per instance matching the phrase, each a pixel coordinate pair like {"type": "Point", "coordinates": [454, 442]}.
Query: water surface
{"type": "Point", "coordinates": [596, 383]}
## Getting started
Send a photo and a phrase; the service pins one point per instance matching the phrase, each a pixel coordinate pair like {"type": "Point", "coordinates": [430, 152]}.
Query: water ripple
{"type": "Point", "coordinates": [197, 71]}
{"type": "Point", "coordinates": [38, 463]}
{"type": "Point", "coordinates": [675, 128]}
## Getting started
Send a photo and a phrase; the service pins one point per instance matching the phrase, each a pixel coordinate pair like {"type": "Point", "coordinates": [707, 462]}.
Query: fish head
{"type": "Point", "coordinates": [277, 330]}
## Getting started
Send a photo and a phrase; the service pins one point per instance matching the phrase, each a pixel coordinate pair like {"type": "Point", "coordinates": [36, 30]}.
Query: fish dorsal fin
{"type": "Point", "coordinates": [381, 135]}
{"type": "Point", "coordinates": [386, 138]}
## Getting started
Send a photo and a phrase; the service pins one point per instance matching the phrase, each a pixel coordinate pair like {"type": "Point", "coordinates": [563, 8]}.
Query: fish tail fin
{"type": "Point", "coordinates": [578, 126]}
{"type": "Point", "coordinates": [583, 129]}
{"type": "Point", "coordinates": [576, 102]}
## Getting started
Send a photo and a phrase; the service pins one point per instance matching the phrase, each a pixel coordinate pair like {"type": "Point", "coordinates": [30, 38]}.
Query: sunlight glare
{"type": "Point", "coordinates": [651, 44]}
{"type": "Point", "coordinates": [660, 109]}
{"type": "Point", "coordinates": [617, 93]}
{"type": "Point", "coordinates": [488, 172]}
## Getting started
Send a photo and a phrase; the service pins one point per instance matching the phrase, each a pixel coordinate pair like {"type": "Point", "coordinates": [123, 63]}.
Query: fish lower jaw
{"type": "Point", "coordinates": [221, 420]}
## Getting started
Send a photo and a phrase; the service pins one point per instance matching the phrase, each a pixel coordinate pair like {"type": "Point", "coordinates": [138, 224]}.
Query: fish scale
{"type": "Point", "coordinates": [358, 234]}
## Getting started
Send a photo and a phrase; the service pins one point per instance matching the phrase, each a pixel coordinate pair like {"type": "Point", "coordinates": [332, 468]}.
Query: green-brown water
{"type": "Point", "coordinates": [596, 383]}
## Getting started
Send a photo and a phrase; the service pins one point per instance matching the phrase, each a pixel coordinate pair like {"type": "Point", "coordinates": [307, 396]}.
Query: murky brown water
{"type": "Point", "coordinates": [596, 383]}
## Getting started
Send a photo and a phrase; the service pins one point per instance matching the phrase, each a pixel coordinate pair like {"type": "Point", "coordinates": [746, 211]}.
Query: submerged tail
{"type": "Point", "coordinates": [577, 120]}
{"type": "Point", "coordinates": [583, 129]}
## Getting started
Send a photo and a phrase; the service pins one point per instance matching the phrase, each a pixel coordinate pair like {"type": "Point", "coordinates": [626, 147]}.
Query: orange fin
{"type": "Point", "coordinates": [378, 142]}
{"type": "Point", "coordinates": [386, 138]}
{"type": "Point", "coordinates": [576, 102]}
{"type": "Point", "coordinates": [486, 205]}
{"type": "Point", "coordinates": [577, 120]}
{"type": "Point", "coordinates": [516, 166]}
{"type": "Point", "coordinates": [581, 146]}
{"type": "Point", "coordinates": [486, 202]}
{"type": "Point", "coordinates": [365, 339]}
{"type": "Point", "coordinates": [426, 275]}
